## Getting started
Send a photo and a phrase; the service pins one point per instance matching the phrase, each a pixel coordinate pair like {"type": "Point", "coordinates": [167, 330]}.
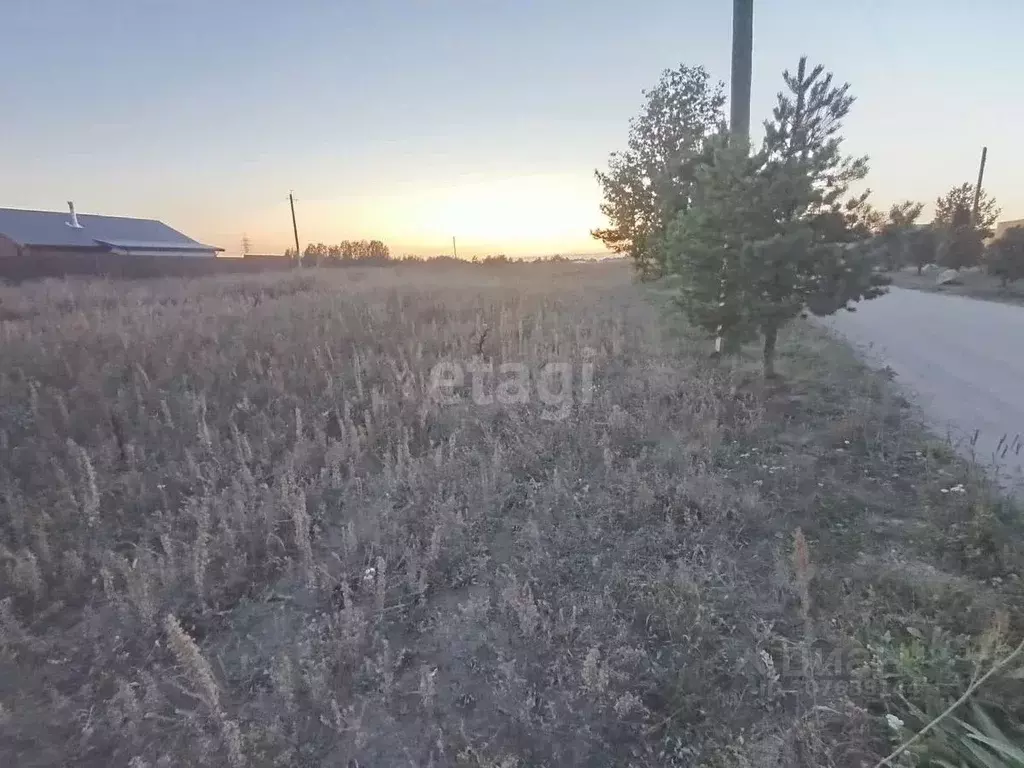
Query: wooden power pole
{"type": "Point", "coordinates": [977, 189]}
{"type": "Point", "coordinates": [295, 230]}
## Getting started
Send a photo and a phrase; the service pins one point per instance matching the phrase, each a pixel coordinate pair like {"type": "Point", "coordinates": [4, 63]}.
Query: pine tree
{"type": "Point", "coordinates": [777, 230]}
{"type": "Point", "coordinates": [710, 245]}
{"type": "Point", "coordinates": [803, 138]}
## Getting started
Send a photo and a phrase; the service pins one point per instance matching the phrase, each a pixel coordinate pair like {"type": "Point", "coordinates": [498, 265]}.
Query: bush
{"type": "Point", "coordinates": [1004, 258]}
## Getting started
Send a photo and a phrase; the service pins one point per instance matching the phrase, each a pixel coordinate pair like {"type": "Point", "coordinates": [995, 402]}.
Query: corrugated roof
{"type": "Point", "coordinates": [51, 228]}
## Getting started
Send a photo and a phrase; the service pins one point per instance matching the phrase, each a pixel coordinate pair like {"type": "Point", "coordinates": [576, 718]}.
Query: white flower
{"type": "Point", "coordinates": [894, 722]}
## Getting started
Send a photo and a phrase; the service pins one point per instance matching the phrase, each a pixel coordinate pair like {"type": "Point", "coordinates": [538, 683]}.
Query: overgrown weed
{"type": "Point", "coordinates": [238, 528]}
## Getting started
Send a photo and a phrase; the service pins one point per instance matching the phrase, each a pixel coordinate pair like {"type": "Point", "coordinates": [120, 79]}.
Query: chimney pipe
{"type": "Point", "coordinates": [74, 218]}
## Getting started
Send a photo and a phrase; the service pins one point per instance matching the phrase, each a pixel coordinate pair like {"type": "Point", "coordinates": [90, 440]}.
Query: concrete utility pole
{"type": "Point", "coordinates": [295, 230]}
{"type": "Point", "coordinates": [742, 67]}
{"type": "Point", "coordinates": [977, 188]}
{"type": "Point", "coordinates": [739, 87]}
{"type": "Point", "coordinates": [455, 251]}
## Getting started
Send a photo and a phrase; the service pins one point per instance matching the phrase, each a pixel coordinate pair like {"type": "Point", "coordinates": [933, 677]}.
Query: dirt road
{"type": "Point", "coordinates": [962, 360]}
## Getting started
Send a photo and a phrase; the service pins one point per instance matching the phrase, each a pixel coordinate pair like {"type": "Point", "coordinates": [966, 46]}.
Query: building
{"type": "Point", "coordinates": [52, 236]}
{"type": "Point", "coordinates": [1002, 226]}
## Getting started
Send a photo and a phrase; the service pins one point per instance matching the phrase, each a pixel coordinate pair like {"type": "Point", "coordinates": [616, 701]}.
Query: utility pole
{"type": "Point", "coordinates": [977, 188]}
{"type": "Point", "coordinates": [742, 67]}
{"type": "Point", "coordinates": [455, 251]}
{"type": "Point", "coordinates": [739, 90]}
{"type": "Point", "coordinates": [295, 230]}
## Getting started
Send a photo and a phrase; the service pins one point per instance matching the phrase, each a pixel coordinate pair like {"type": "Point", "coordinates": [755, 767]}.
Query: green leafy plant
{"type": "Point", "coordinates": [964, 232]}
{"type": "Point", "coordinates": [1004, 258]}
{"type": "Point", "coordinates": [980, 738]}
{"type": "Point", "coordinates": [651, 181]}
{"type": "Point", "coordinates": [978, 729]}
{"type": "Point", "coordinates": [892, 233]}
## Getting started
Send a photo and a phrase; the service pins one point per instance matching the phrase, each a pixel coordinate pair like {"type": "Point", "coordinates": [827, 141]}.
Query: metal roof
{"type": "Point", "coordinates": [51, 228]}
{"type": "Point", "coordinates": [152, 245]}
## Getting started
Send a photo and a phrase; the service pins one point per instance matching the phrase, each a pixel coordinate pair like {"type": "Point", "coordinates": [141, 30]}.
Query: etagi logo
{"type": "Point", "coordinates": [514, 383]}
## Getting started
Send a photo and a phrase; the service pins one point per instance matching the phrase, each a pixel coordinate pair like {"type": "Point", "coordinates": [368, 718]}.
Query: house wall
{"type": "Point", "coordinates": [35, 263]}
{"type": "Point", "coordinates": [271, 260]}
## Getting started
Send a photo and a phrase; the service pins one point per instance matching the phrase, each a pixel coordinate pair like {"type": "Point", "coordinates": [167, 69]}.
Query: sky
{"type": "Point", "coordinates": [416, 121]}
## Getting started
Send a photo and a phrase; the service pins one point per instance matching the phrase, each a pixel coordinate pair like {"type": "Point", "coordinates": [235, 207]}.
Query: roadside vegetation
{"type": "Point", "coordinates": [750, 241]}
{"type": "Point", "coordinates": [765, 236]}
{"type": "Point", "coordinates": [756, 240]}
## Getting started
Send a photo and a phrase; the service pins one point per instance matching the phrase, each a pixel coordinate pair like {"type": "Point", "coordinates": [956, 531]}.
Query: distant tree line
{"type": "Point", "coordinates": [957, 238]}
{"type": "Point", "coordinates": [503, 259]}
{"type": "Point", "coordinates": [375, 252]}
{"type": "Point", "coordinates": [345, 252]}
{"type": "Point", "coordinates": [487, 261]}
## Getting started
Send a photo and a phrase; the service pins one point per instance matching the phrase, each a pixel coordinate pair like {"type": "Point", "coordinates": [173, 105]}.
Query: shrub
{"type": "Point", "coordinates": [1004, 258]}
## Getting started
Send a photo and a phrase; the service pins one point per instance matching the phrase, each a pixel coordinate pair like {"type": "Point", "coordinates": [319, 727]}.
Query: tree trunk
{"type": "Point", "coordinates": [920, 268]}
{"type": "Point", "coordinates": [771, 335]}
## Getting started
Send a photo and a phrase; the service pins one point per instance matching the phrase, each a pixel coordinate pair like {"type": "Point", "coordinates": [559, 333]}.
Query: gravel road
{"type": "Point", "coordinates": [961, 359]}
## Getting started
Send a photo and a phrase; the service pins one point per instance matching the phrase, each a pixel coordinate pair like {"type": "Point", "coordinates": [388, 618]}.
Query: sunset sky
{"type": "Point", "coordinates": [415, 121]}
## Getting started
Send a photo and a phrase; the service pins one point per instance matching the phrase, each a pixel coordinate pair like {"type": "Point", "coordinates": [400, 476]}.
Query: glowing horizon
{"type": "Point", "coordinates": [384, 133]}
{"type": "Point", "coordinates": [527, 215]}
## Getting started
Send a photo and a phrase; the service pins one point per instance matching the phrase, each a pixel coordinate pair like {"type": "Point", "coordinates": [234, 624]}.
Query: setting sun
{"type": "Point", "coordinates": [529, 212]}
{"type": "Point", "coordinates": [520, 215]}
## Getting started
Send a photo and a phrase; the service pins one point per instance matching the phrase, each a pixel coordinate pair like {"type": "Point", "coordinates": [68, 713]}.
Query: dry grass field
{"type": "Point", "coordinates": [238, 526]}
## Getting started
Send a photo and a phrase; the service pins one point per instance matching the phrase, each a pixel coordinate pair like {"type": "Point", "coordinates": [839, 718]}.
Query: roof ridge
{"type": "Point", "coordinates": [79, 213]}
